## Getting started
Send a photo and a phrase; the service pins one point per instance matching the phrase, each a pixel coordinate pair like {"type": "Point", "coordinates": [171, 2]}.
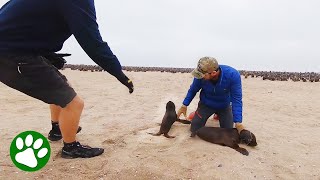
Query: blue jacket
{"type": "Point", "coordinates": [227, 90]}
{"type": "Point", "coordinates": [42, 26]}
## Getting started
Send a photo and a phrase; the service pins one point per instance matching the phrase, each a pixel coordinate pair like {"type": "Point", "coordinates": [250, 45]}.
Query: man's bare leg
{"type": "Point", "coordinates": [55, 113]}
{"type": "Point", "coordinates": [69, 119]}
{"type": "Point", "coordinates": [55, 133]}
{"type": "Point", "coordinates": [69, 122]}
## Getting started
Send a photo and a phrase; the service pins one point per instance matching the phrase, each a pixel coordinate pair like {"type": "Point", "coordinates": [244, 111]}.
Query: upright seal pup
{"type": "Point", "coordinates": [228, 137]}
{"type": "Point", "coordinates": [168, 119]}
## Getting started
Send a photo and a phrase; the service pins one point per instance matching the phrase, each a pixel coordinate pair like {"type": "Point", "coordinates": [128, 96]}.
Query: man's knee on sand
{"type": "Point", "coordinates": [197, 123]}
{"type": "Point", "coordinates": [226, 120]}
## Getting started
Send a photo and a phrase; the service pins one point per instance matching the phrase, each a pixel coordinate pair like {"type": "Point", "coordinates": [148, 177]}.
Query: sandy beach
{"type": "Point", "coordinates": [284, 116]}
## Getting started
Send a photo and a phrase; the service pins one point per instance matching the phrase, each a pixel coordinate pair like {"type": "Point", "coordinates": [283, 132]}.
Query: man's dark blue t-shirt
{"type": "Point", "coordinates": [42, 26]}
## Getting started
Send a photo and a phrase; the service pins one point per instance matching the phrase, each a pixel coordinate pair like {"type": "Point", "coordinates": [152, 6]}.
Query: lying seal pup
{"type": "Point", "coordinates": [228, 137]}
{"type": "Point", "coordinates": [168, 119]}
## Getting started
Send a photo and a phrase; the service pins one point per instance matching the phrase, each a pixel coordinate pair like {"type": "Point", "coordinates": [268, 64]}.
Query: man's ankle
{"type": "Point", "coordinates": [69, 144]}
{"type": "Point", "coordinates": [55, 126]}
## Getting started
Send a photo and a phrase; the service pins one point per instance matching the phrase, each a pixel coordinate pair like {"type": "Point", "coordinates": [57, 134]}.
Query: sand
{"type": "Point", "coordinates": [284, 116]}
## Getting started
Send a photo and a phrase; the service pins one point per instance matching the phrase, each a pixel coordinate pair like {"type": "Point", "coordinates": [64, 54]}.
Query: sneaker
{"type": "Point", "coordinates": [76, 150]}
{"type": "Point", "coordinates": [55, 134]}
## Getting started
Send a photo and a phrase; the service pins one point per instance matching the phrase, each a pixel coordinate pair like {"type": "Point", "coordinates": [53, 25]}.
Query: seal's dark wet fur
{"type": "Point", "coordinates": [228, 137]}
{"type": "Point", "coordinates": [168, 119]}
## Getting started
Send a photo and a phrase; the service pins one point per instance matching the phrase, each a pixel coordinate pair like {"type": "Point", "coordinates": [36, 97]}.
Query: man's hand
{"type": "Point", "coordinates": [127, 82]}
{"type": "Point", "coordinates": [182, 110]}
{"type": "Point", "coordinates": [239, 127]}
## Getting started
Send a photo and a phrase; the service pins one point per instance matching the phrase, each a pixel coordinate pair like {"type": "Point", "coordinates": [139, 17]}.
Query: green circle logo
{"type": "Point", "coordinates": [30, 151]}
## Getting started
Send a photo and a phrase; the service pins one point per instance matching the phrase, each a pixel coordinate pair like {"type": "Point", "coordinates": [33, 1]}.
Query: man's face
{"type": "Point", "coordinates": [213, 75]}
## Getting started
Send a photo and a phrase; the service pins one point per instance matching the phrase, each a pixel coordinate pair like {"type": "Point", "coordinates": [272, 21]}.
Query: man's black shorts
{"type": "Point", "coordinates": [35, 76]}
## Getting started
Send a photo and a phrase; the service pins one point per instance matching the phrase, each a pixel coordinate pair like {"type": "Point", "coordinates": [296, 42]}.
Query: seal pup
{"type": "Point", "coordinates": [168, 119]}
{"type": "Point", "coordinates": [228, 137]}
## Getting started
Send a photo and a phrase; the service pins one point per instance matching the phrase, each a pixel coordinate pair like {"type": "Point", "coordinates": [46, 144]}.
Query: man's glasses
{"type": "Point", "coordinates": [213, 72]}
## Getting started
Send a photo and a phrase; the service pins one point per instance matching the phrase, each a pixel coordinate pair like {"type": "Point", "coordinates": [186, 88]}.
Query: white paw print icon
{"type": "Point", "coordinates": [29, 152]}
{"type": "Point", "coordinates": [27, 157]}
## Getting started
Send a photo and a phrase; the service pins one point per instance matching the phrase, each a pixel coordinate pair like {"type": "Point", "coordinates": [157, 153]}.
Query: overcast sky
{"type": "Point", "coordinates": [279, 35]}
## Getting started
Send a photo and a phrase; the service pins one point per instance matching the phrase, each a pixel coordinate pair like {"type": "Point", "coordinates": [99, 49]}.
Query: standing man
{"type": "Point", "coordinates": [221, 93]}
{"type": "Point", "coordinates": [30, 32]}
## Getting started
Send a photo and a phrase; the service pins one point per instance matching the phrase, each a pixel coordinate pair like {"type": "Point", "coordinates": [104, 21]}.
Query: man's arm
{"type": "Point", "coordinates": [81, 18]}
{"type": "Point", "coordinates": [236, 97]}
{"type": "Point", "coordinates": [194, 88]}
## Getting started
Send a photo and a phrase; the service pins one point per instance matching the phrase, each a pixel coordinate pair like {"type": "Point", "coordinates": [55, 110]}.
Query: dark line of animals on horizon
{"type": "Point", "coordinates": [265, 75]}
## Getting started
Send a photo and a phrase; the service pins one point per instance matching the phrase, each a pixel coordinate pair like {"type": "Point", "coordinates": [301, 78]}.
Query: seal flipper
{"type": "Point", "coordinates": [168, 136]}
{"type": "Point", "coordinates": [183, 121]}
{"type": "Point", "coordinates": [239, 149]}
{"type": "Point", "coordinates": [156, 134]}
